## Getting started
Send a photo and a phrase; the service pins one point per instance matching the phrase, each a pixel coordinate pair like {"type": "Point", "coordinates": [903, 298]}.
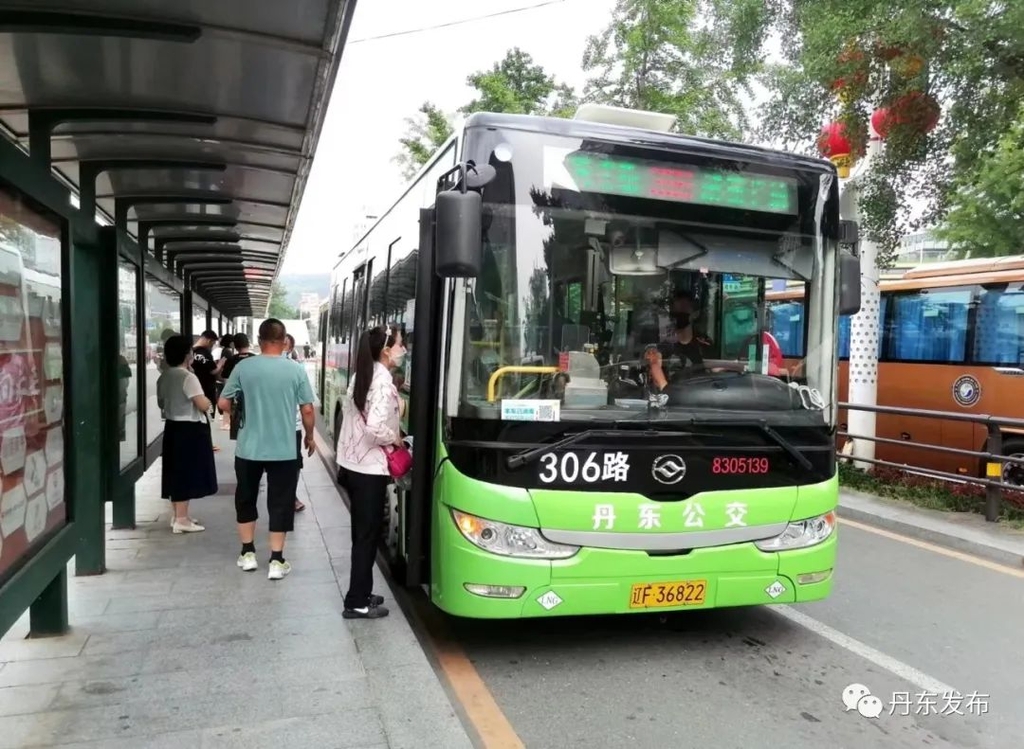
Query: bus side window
{"type": "Point", "coordinates": [929, 326]}
{"type": "Point", "coordinates": [787, 326]}
{"type": "Point", "coordinates": [999, 331]}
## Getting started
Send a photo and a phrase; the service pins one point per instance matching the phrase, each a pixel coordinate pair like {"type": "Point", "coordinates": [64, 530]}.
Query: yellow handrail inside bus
{"type": "Point", "coordinates": [502, 371]}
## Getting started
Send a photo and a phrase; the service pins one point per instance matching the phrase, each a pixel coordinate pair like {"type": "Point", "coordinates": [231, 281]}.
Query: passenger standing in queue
{"type": "Point", "coordinates": [272, 388]}
{"type": "Point", "coordinates": [222, 355]}
{"type": "Point", "coordinates": [205, 366]}
{"type": "Point", "coordinates": [188, 470]}
{"type": "Point", "coordinates": [371, 422]}
{"type": "Point", "coordinates": [242, 352]}
{"type": "Point", "coordinates": [690, 348]}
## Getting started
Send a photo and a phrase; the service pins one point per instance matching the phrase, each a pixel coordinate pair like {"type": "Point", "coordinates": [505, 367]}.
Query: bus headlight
{"type": "Point", "coordinates": [509, 540]}
{"type": "Point", "coordinates": [801, 534]}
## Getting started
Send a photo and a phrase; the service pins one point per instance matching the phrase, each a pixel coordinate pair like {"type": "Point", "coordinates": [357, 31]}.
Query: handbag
{"type": "Point", "coordinates": [399, 459]}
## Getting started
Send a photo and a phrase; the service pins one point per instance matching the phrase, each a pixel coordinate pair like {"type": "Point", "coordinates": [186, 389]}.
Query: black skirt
{"type": "Point", "coordinates": [188, 468]}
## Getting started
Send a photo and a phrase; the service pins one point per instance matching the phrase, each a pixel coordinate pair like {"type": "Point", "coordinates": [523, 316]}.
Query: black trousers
{"type": "Point", "coordinates": [366, 493]}
{"type": "Point", "coordinates": [282, 479]}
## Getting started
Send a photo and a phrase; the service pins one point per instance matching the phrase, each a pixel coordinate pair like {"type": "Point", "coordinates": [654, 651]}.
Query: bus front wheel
{"type": "Point", "coordinates": [1013, 473]}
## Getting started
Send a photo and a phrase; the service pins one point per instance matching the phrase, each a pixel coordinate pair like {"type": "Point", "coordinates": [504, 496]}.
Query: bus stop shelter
{"type": "Point", "coordinates": [152, 159]}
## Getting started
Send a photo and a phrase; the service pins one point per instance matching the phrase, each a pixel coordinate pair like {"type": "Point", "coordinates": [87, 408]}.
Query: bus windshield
{"type": "Point", "coordinates": [621, 284]}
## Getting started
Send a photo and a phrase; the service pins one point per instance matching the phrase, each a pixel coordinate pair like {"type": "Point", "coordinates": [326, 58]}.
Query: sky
{"type": "Point", "coordinates": [382, 82]}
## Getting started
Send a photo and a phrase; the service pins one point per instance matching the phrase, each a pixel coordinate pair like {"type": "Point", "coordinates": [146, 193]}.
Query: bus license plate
{"type": "Point", "coordinates": [663, 595]}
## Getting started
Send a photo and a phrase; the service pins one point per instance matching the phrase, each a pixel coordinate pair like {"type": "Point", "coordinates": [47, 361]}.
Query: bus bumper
{"type": "Point", "coordinates": [592, 582]}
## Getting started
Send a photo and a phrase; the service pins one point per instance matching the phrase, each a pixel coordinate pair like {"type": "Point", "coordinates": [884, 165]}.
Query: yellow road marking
{"type": "Point", "coordinates": [490, 723]}
{"type": "Point", "coordinates": [952, 553]}
{"type": "Point", "coordinates": [483, 712]}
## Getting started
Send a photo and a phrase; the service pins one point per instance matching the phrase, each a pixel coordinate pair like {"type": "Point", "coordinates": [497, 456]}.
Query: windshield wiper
{"type": "Point", "coordinates": [768, 430]}
{"type": "Point", "coordinates": [528, 456]}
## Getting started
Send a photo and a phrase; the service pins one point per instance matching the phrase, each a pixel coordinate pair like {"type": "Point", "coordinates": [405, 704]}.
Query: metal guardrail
{"type": "Point", "coordinates": [992, 457]}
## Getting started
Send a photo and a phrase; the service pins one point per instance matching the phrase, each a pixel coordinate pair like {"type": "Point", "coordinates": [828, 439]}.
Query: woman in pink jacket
{"type": "Point", "coordinates": [370, 413]}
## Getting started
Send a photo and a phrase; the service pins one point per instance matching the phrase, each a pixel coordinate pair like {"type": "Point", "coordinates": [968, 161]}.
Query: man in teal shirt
{"type": "Point", "coordinates": [269, 389]}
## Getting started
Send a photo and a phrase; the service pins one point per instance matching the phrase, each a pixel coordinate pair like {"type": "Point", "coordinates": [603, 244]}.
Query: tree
{"type": "Point", "coordinates": [659, 55]}
{"type": "Point", "coordinates": [428, 131]}
{"type": "Point", "coordinates": [517, 85]}
{"type": "Point", "coordinates": [986, 217]}
{"type": "Point", "coordinates": [967, 56]}
{"type": "Point", "coordinates": [279, 306]}
{"type": "Point", "coordinates": [514, 84]}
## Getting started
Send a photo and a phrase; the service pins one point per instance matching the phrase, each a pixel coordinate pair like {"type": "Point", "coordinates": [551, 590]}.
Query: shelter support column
{"type": "Point", "coordinates": [48, 614]}
{"type": "Point", "coordinates": [91, 415]}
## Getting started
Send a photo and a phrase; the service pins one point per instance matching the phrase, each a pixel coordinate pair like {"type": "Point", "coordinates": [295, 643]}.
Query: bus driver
{"type": "Point", "coordinates": [689, 347]}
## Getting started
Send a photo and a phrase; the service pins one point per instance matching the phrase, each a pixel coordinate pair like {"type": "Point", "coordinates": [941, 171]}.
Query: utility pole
{"type": "Point", "coordinates": [864, 326]}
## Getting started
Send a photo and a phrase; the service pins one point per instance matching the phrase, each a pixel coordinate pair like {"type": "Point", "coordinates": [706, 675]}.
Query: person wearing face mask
{"type": "Point", "coordinates": [371, 424]}
{"type": "Point", "coordinates": [686, 345]}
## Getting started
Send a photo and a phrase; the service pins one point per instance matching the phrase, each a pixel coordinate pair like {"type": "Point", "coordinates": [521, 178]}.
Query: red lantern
{"type": "Point", "coordinates": [879, 122]}
{"type": "Point", "coordinates": [917, 110]}
{"type": "Point", "coordinates": [834, 145]}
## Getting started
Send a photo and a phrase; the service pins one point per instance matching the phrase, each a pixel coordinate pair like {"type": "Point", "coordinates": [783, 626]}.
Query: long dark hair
{"type": "Point", "coordinates": [371, 343]}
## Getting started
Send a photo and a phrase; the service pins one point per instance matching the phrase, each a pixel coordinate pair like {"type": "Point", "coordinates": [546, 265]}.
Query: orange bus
{"type": "Point", "coordinates": [951, 339]}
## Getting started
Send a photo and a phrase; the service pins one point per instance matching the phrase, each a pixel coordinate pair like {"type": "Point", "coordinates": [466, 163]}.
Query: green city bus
{"type": "Point", "coordinates": [533, 264]}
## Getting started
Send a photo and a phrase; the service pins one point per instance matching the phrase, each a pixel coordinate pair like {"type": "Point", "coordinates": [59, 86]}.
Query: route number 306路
{"type": "Point", "coordinates": [569, 468]}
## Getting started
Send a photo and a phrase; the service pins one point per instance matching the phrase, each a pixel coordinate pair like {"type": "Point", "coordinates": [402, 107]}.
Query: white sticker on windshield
{"type": "Point", "coordinates": [530, 410]}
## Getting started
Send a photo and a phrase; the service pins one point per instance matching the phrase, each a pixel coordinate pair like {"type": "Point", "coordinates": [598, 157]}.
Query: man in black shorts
{"type": "Point", "coordinates": [272, 390]}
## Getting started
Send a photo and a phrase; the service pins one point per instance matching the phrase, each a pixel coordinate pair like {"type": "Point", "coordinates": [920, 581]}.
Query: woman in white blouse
{"type": "Point", "coordinates": [188, 470]}
{"type": "Point", "coordinates": [371, 423]}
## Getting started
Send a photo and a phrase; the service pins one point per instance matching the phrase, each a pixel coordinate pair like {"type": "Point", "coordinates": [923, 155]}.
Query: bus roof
{"type": "Point", "coordinates": [581, 128]}
{"type": "Point", "coordinates": [961, 267]}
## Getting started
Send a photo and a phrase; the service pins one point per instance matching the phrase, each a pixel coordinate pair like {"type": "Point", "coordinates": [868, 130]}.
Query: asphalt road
{"type": "Point", "coordinates": [901, 619]}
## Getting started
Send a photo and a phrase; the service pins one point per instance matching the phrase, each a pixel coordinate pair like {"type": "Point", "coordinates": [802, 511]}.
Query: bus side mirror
{"type": "Point", "coordinates": [458, 243]}
{"type": "Point", "coordinates": [849, 284]}
{"type": "Point", "coordinates": [849, 232]}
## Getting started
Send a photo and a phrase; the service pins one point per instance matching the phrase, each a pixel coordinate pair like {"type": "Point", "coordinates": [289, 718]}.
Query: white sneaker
{"type": "Point", "coordinates": [187, 526]}
{"type": "Point", "coordinates": [193, 520]}
{"type": "Point", "coordinates": [248, 561]}
{"type": "Point", "coordinates": [279, 570]}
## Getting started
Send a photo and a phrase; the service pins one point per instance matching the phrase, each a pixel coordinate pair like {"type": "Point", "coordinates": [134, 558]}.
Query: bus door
{"type": "Point", "coordinates": [360, 301]}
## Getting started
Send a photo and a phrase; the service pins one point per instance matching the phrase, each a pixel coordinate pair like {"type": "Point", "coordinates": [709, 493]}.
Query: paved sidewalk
{"type": "Point", "coordinates": [963, 531]}
{"type": "Point", "coordinates": [176, 647]}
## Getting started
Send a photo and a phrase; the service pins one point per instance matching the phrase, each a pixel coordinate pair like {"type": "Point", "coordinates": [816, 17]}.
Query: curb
{"type": "Point", "coordinates": [991, 552]}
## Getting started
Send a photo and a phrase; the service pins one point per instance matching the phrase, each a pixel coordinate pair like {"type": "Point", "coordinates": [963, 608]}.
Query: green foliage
{"type": "Point", "coordinates": [279, 306]}
{"type": "Point", "coordinates": [514, 85]}
{"type": "Point", "coordinates": [974, 55]}
{"type": "Point", "coordinates": [517, 85]}
{"type": "Point", "coordinates": [931, 494]}
{"type": "Point", "coordinates": [986, 217]}
{"type": "Point", "coordinates": [663, 56]}
{"type": "Point", "coordinates": [428, 131]}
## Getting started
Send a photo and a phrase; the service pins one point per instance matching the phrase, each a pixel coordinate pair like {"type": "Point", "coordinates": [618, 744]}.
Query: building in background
{"type": "Point", "coordinates": [309, 305]}
{"type": "Point", "coordinates": [922, 247]}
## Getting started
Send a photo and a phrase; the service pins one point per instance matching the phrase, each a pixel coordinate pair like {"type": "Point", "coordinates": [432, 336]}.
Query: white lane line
{"type": "Point", "coordinates": [899, 668]}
